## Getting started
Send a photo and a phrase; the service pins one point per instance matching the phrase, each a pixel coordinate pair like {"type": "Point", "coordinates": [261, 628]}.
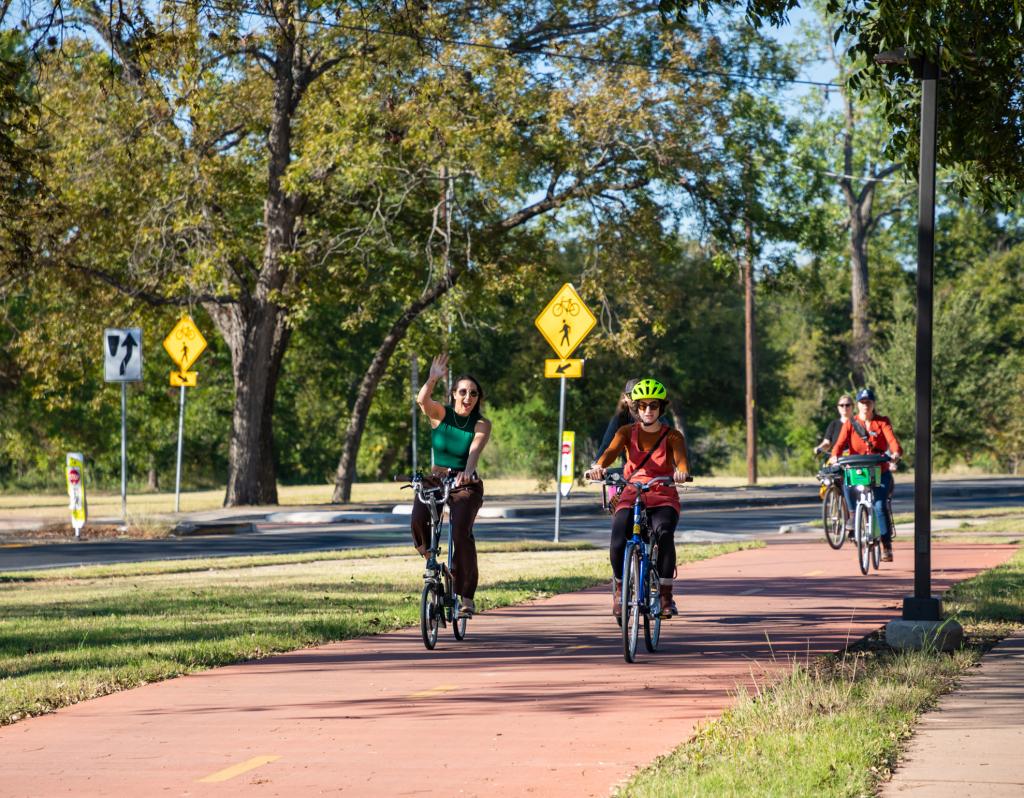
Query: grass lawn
{"type": "Point", "coordinates": [77, 633]}
{"type": "Point", "coordinates": [835, 727]}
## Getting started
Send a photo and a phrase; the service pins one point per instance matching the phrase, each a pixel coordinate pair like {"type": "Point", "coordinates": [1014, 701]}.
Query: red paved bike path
{"type": "Point", "coordinates": [536, 701]}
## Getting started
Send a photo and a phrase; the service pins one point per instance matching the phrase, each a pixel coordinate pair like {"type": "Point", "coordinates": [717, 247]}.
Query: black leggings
{"type": "Point", "coordinates": [663, 523]}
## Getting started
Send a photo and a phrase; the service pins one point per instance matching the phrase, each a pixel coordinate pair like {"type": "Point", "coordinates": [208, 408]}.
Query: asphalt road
{"type": "Point", "coordinates": [579, 523]}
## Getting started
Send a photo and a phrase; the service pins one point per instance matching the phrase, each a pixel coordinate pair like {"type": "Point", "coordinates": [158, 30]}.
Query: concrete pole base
{"type": "Point", "coordinates": [919, 635]}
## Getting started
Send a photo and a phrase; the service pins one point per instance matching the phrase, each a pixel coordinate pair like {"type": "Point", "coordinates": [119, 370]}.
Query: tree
{"type": "Point", "coordinates": [844, 151]}
{"type": "Point", "coordinates": [980, 50]}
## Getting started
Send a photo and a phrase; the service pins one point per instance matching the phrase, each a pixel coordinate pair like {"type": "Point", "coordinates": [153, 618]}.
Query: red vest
{"type": "Point", "coordinates": [659, 464]}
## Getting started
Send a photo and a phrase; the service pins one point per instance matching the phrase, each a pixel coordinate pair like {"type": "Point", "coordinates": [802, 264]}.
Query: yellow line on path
{"type": "Point", "coordinates": [441, 688]}
{"type": "Point", "coordinates": [814, 573]}
{"type": "Point", "coordinates": [14, 545]}
{"type": "Point", "coordinates": [240, 768]}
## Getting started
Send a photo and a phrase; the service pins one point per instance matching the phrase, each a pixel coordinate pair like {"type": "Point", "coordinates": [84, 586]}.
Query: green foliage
{"type": "Point", "coordinates": [977, 364]}
{"type": "Point", "coordinates": [523, 440]}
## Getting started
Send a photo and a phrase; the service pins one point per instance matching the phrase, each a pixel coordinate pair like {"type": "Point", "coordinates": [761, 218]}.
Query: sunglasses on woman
{"type": "Point", "coordinates": [464, 391]}
{"type": "Point", "coordinates": [648, 406]}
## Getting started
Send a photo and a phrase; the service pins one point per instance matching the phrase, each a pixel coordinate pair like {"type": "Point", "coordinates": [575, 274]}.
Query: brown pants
{"type": "Point", "coordinates": [463, 506]}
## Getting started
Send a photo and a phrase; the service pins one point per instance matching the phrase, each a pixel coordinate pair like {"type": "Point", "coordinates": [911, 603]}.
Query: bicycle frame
{"type": "Point", "coordinates": [436, 500]}
{"type": "Point", "coordinates": [641, 525]}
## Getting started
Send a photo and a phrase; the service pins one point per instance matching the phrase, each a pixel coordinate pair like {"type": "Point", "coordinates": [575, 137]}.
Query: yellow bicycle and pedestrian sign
{"type": "Point", "coordinates": [565, 322]}
{"type": "Point", "coordinates": [184, 344]}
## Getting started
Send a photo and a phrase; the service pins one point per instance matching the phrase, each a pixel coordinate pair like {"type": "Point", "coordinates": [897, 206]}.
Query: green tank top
{"type": "Point", "coordinates": [452, 437]}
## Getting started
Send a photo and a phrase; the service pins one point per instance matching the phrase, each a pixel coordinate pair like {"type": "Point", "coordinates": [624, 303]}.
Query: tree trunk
{"type": "Point", "coordinates": [256, 328]}
{"type": "Point", "coordinates": [153, 476]}
{"type": "Point", "coordinates": [860, 343]}
{"type": "Point", "coordinates": [257, 338]}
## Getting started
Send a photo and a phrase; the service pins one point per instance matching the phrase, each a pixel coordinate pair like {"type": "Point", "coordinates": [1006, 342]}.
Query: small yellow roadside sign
{"type": "Point", "coordinates": [74, 472]}
{"type": "Point", "coordinates": [563, 368]}
{"type": "Point", "coordinates": [565, 321]}
{"type": "Point", "coordinates": [185, 379]}
{"type": "Point", "coordinates": [184, 344]}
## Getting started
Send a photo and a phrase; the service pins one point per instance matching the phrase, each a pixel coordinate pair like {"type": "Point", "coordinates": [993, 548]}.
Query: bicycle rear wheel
{"type": "Point", "coordinates": [652, 597]}
{"type": "Point", "coordinates": [832, 517]}
{"type": "Point", "coordinates": [876, 552]}
{"type": "Point", "coordinates": [863, 534]}
{"type": "Point", "coordinates": [632, 596]}
{"type": "Point", "coordinates": [430, 614]}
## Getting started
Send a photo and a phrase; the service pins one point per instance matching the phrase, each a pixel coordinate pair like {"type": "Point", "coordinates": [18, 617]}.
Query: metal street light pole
{"type": "Point", "coordinates": [923, 606]}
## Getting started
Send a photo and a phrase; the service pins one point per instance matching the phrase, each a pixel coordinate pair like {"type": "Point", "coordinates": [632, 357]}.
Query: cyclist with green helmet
{"type": "Point", "coordinates": [652, 449]}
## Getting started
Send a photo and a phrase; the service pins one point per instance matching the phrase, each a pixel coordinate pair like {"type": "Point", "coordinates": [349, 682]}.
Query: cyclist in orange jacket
{"type": "Point", "coordinates": [867, 433]}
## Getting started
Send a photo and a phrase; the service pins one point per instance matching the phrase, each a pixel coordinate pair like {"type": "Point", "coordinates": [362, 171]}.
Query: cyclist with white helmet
{"type": "Point", "coordinates": [652, 450]}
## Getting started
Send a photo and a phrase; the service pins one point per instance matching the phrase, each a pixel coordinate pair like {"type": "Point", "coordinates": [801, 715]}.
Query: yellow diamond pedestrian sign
{"type": "Point", "coordinates": [185, 343]}
{"type": "Point", "coordinates": [565, 321]}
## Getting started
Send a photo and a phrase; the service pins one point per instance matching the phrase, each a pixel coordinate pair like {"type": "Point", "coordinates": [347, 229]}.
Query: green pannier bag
{"type": "Point", "coordinates": [863, 475]}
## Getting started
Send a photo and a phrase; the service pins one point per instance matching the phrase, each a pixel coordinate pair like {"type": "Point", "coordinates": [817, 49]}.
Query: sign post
{"type": "Point", "coordinates": [74, 473]}
{"type": "Point", "coordinates": [564, 323]}
{"type": "Point", "coordinates": [122, 362]}
{"type": "Point", "coordinates": [184, 344]}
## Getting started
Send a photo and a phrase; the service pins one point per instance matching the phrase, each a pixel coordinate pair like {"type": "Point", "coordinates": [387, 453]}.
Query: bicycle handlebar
{"type": "Point", "coordinates": [429, 495]}
{"type": "Point", "coordinates": [616, 478]}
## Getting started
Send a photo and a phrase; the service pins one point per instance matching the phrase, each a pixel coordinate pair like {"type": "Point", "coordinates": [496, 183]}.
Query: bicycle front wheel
{"type": "Point", "coordinates": [652, 597]}
{"type": "Point", "coordinates": [430, 614]}
{"type": "Point", "coordinates": [832, 517]}
{"type": "Point", "coordinates": [863, 534]}
{"type": "Point", "coordinates": [632, 596]}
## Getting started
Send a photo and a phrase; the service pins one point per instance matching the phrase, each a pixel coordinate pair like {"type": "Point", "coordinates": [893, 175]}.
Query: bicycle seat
{"type": "Point", "coordinates": [861, 460]}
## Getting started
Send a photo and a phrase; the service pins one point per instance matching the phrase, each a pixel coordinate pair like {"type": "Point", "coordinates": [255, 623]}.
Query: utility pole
{"type": "Point", "coordinates": [748, 346]}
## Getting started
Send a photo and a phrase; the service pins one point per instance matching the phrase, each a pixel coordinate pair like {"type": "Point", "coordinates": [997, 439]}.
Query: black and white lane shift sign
{"type": "Point", "coordinates": [122, 354]}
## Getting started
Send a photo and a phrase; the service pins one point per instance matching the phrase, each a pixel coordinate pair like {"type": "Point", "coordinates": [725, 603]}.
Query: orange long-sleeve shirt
{"type": "Point", "coordinates": [881, 438]}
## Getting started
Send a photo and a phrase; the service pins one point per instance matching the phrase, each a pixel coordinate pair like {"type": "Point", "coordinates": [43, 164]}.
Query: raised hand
{"type": "Point", "coordinates": [439, 367]}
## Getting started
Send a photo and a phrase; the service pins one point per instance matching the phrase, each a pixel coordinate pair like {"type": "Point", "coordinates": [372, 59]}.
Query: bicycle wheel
{"type": "Point", "coordinates": [632, 596]}
{"type": "Point", "coordinates": [430, 618]}
{"type": "Point", "coordinates": [863, 534]}
{"type": "Point", "coordinates": [652, 595]}
{"type": "Point", "coordinates": [832, 517]}
{"type": "Point", "coordinates": [876, 552]}
{"type": "Point", "coordinates": [458, 619]}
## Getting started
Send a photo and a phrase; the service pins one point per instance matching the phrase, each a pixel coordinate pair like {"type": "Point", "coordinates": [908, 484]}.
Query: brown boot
{"type": "Point", "coordinates": [668, 606]}
{"type": "Point", "coordinates": [617, 598]}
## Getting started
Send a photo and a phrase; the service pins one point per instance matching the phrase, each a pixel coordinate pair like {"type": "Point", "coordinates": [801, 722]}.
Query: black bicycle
{"type": "Point", "coordinates": [439, 603]}
{"type": "Point", "coordinates": [833, 507]}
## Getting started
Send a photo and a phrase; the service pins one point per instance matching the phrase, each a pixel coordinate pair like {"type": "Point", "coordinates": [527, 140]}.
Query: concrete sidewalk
{"type": "Point", "coordinates": [971, 745]}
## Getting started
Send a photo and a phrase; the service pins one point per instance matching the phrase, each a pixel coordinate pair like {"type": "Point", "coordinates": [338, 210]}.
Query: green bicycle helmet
{"type": "Point", "coordinates": [648, 389]}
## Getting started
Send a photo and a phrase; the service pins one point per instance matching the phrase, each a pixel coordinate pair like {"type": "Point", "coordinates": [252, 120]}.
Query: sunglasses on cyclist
{"type": "Point", "coordinates": [648, 405]}
{"type": "Point", "coordinates": [846, 404]}
{"type": "Point", "coordinates": [463, 392]}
